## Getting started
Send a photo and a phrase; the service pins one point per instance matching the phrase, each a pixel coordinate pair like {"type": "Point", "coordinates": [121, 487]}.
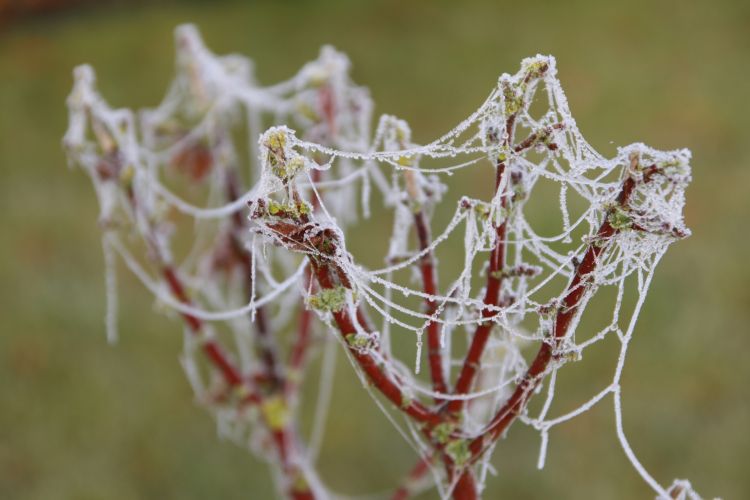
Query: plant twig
{"type": "Point", "coordinates": [516, 403]}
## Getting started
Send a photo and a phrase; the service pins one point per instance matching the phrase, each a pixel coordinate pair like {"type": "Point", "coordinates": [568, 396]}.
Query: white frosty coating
{"type": "Point", "coordinates": [131, 163]}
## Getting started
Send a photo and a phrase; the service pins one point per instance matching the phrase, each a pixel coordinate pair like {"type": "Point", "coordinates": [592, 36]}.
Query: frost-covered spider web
{"type": "Point", "coordinates": [270, 205]}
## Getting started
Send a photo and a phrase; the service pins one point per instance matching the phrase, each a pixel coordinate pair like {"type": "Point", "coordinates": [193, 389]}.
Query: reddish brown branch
{"type": "Point", "coordinates": [466, 486]}
{"type": "Point", "coordinates": [379, 379]}
{"type": "Point", "coordinates": [304, 327]}
{"type": "Point", "coordinates": [567, 311]}
{"type": "Point", "coordinates": [266, 346]}
{"type": "Point", "coordinates": [495, 271]}
{"type": "Point", "coordinates": [210, 347]}
{"type": "Point", "coordinates": [283, 438]}
{"type": "Point", "coordinates": [301, 343]}
{"type": "Point", "coordinates": [406, 489]}
{"type": "Point", "coordinates": [536, 137]}
{"type": "Point", "coordinates": [302, 236]}
{"type": "Point", "coordinates": [429, 281]}
{"type": "Point", "coordinates": [491, 298]}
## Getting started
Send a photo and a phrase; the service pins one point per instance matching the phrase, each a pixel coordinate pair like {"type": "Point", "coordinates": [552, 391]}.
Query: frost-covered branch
{"type": "Point", "coordinates": [247, 242]}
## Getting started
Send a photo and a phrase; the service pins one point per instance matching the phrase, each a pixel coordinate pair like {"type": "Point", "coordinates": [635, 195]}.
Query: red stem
{"type": "Point", "coordinates": [429, 280]}
{"type": "Point", "coordinates": [265, 342]}
{"type": "Point", "coordinates": [466, 487]}
{"type": "Point", "coordinates": [420, 469]}
{"type": "Point", "coordinates": [514, 406]}
{"type": "Point", "coordinates": [491, 298]}
{"type": "Point", "coordinates": [211, 348]}
{"type": "Point", "coordinates": [377, 376]}
{"type": "Point", "coordinates": [304, 327]}
{"type": "Point", "coordinates": [301, 343]}
{"type": "Point", "coordinates": [232, 376]}
{"type": "Point", "coordinates": [473, 358]}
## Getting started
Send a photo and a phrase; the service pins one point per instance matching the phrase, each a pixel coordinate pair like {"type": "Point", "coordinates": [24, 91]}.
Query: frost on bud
{"type": "Point", "coordinates": [286, 210]}
{"type": "Point", "coordinates": [362, 342]}
{"type": "Point", "coordinates": [512, 97]}
{"type": "Point", "coordinates": [278, 156]}
{"type": "Point", "coordinates": [275, 151]}
{"type": "Point", "coordinates": [330, 65]}
{"type": "Point", "coordinates": [328, 299]}
{"type": "Point", "coordinates": [443, 431]}
{"type": "Point", "coordinates": [395, 135]}
{"type": "Point", "coordinates": [535, 67]}
{"type": "Point", "coordinates": [619, 219]}
{"type": "Point", "coordinates": [458, 450]}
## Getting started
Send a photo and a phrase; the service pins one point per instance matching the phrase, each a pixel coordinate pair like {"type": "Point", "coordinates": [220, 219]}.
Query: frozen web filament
{"type": "Point", "coordinates": [489, 300]}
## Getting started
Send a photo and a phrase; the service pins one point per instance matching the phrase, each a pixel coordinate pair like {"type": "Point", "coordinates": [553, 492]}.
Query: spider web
{"type": "Point", "coordinates": [322, 124]}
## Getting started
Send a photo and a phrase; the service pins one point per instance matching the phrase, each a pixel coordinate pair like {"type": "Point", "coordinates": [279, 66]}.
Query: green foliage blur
{"type": "Point", "coordinates": [80, 419]}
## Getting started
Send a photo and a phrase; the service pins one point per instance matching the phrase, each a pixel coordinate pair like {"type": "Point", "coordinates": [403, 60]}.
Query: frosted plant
{"type": "Point", "coordinates": [253, 254]}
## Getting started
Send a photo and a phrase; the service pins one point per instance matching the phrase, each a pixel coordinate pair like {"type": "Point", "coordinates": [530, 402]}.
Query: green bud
{"type": "Point", "coordinates": [275, 413]}
{"type": "Point", "coordinates": [328, 300]}
{"type": "Point", "coordinates": [619, 219]}
{"type": "Point", "coordinates": [458, 450]}
{"type": "Point", "coordinates": [442, 432]}
{"type": "Point", "coordinates": [357, 341]}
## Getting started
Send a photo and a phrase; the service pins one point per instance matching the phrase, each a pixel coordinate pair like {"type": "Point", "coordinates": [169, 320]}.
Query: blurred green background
{"type": "Point", "coordinates": [81, 419]}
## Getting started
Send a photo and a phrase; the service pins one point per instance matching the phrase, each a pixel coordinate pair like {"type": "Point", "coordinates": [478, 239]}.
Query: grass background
{"type": "Point", "coordinates": [80, 419]}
